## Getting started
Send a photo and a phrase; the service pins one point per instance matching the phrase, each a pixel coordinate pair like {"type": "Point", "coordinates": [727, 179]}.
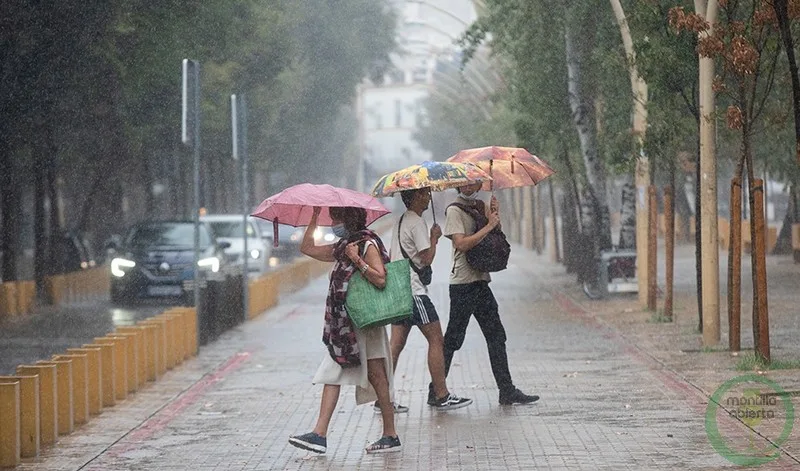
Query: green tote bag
{"type": "Point", "coordinates": [369, 306]}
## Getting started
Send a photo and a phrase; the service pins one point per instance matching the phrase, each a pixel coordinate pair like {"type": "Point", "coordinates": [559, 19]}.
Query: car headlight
{"type": "Point", "coordinates": [255, 253]}
{"type": "Point", "coordinates": [317, 233]}
{"type": "Point", "coordinates": [210, 262]}
{"type": "Point", "coordinates": [118, 266]}
{"type": "Point", "coordinates": [329, 237]}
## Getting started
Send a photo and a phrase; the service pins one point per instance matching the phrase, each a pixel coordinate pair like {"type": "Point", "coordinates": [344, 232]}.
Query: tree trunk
{"type": "Point", "coordinates": [708, 165]}
{"type": "Point", "coordinates": [627, 230]}
{"type": "Point", "coordinates": [783, 246]}
{"type": "Point", "coordinates": [41, 261]}
{"type": "Point", "coordinates": [9, 208]}
{"type": "Point", "coordinates": [782, 13]}
{"type": "Point", "coordinates": [581, 101]}
{"type": "Point", "coordinates": [642, 172]}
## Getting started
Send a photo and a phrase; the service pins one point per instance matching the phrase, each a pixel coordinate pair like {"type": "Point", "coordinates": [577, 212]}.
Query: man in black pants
{"type": "Point", "coordinates": [470, 295]}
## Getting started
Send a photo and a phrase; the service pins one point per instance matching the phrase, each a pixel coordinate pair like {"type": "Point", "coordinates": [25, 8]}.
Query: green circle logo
{"type": "Point", "coordinates": [763, 406]}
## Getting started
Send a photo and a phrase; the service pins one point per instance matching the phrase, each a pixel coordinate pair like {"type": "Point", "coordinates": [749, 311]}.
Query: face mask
{"type": "Point", "coordinates": [340, 231]}
{"type": "Point", "coordinates": [471, 197]}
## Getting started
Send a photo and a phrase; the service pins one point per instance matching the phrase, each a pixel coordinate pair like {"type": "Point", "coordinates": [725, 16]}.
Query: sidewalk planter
{"type": "Point", "coordinates": [16, 298]}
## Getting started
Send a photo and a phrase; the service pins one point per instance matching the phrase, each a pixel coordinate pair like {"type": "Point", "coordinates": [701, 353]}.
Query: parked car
{"type": "Point", "coordinates": [230, 228]}
{"type": "Point", "coordinates": [157, 260]}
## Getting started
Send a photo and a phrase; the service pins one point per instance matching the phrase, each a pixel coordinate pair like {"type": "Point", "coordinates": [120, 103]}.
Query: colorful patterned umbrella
{"type": "Point", "coordinates": [437, 176]}
{"type": "Point", "coordinates": [510, 167]}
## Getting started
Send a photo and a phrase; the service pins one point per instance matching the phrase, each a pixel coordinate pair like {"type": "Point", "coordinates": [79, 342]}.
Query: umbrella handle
{"type": "Point", "coordinates": [491, 182]}
{"type": "Point", "coordinates": [275, 232]}
{"type": "Point", "coordinates": [433, 210]}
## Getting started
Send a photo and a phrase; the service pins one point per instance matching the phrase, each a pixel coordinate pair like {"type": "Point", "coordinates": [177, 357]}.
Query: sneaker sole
{"type": "Point", "coordinates": [402, 411]}
{"type": "Point", "coordinates": [453, 406]}
{"type": "Point", "coordinates": [519, 403]}
{"type": "Point", "coordinates": [385, 450]}
{"type": "Point", "coordinates": [307, 446]}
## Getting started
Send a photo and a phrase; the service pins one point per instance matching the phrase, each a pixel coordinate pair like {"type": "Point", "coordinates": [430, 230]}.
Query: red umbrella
{"type": "Point", "coordinates": [509, 167]}
{"type": "Point", "coordinates": [295, 205]}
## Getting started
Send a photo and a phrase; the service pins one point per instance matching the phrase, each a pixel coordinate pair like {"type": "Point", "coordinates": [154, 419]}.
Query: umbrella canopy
{"type": "Point", "coordinates": [510, 167]}
{"type": "Point", "coordinates": [437, 176]}
{"type": "Point", "coordinates": [295, 204]}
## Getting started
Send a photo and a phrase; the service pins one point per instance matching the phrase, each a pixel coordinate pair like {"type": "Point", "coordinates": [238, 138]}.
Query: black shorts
{"type": "Point", "coordinates": [424, 312]}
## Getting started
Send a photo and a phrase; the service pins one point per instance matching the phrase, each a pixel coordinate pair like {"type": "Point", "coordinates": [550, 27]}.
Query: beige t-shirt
{"type": "Point", "coordinates": [459, 222]}
{"type": "Point", "coordinates": [415, 238]}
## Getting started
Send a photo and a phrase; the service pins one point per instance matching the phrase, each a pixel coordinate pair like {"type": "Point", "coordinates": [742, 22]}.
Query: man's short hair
{"type": "Point", "coordinates": [408, 196]}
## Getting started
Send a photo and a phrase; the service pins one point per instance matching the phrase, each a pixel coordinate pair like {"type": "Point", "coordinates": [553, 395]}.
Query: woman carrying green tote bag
{"type": "Point", "coordinates": [356, 356]}
{"type": "Point", "coordinates": [369, 306]}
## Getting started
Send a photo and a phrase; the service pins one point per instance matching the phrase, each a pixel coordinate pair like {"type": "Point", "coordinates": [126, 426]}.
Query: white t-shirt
{"type": "Point", "coordinates": [415, 237]}
{"type": "Point", "coordinates": [459, 222]}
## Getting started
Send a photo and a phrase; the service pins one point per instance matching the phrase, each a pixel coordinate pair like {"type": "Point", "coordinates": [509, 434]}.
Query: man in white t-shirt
{"type": "Point", "coordinates": [470, 294]}
{"type": "Point", "coordinates": [411, 239]}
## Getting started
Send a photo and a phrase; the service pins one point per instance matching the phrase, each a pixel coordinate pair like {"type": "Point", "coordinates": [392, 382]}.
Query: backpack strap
{"type": "Point", "coordinates": [477, 213]}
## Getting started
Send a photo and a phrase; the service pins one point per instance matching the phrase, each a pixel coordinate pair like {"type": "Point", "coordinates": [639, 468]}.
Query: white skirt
{"type": "Point", "coordinates": [372, 343]}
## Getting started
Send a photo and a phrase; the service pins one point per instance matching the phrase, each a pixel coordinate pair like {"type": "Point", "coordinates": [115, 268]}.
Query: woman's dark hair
{"type": "Point", "coordinates": [354, 219]}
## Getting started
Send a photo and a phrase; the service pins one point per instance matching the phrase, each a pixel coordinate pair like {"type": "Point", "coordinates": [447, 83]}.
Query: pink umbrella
{"type": "Point", "coordinates": [295, 205]}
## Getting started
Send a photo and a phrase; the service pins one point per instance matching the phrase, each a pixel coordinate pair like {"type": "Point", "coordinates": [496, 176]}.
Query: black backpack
{"type": "Point", "coordinates": [492, 253]}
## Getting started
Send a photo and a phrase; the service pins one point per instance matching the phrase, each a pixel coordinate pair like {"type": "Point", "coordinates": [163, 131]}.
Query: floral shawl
{"type": "Point", "coordinates": [339, 334]}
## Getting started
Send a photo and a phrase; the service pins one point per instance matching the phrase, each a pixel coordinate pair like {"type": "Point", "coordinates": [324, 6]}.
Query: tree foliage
{"type": "Point", "coordinates": [90, 107]}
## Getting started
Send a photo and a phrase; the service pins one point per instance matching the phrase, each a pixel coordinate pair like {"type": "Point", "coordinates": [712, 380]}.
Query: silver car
{"type": "Point", "coordinates": [230, 228]}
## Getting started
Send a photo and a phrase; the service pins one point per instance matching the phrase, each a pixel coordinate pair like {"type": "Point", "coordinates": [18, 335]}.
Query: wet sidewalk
{"type": "Point", "coordinates": [608, 401]}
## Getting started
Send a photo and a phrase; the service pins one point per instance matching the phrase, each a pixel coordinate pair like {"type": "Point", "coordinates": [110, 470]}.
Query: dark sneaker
{"type": "Point", "coordinates": [310, 441]}
{"type": "Point", "coordinates": [451, 402]}
{"type": "Point", "coordinates": [398, 409]}
{"type": "Point", "coordinates": [385, 445]}
{"type": "Point", "coordinates": [431, 395]}
{"type": "Point", "coordinates": [517, 397]}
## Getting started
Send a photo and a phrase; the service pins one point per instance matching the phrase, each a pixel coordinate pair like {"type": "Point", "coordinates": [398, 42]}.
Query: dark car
{"type": "Point", "coordinates": [157, 260]}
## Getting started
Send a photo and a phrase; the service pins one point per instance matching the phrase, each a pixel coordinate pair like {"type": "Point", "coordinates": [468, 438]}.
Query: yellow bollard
{"type": "Point", "coordinates": [161, 340]}
{"type": "Point", "coordinates": [120, 364]}
{"type": "Point", "coordinates": [48, 400]}
{"type": "Point", "coordinates": [178, 336]}
{"type": "Point", "coordinates": [150, 333]}
{"type": "Point", "coordinates": [94, 378]}
{"type": "Point", "coordinates": [191, 331]}
{"type": "Point", "coordinates": [169, 328]}
{"type": "Point", "coordinates": [66, 418]}
{"type": "Point", "coordinates": [29, 432]}
{"type": "Point", "coordinates": [133, 359]}
{"type": "Point", "coordinates": [80, 386]}
{"type": "Point", "coordinates": [140, 339]}
{"type": "Point", "coordinates": [9, 430]}
{"type": "Point", "coordinates": [108, 376]}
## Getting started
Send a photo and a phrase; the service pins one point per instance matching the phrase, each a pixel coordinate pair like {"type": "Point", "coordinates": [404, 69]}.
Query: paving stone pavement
{"type": "Point", "coordinates": [608, 403]}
